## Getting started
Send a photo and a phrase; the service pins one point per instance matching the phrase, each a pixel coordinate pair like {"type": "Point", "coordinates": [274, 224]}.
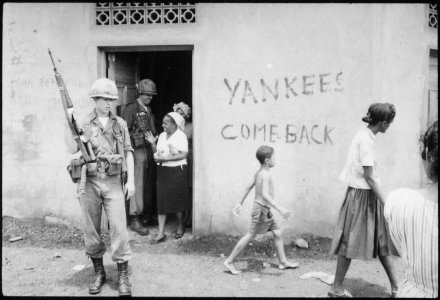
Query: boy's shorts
{"type": "Point", "coordinates": [262, 219]}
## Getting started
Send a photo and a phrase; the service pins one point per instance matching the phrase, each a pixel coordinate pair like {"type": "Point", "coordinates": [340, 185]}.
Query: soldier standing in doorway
{"type": "Point", "coordinates": [103, 189]}
{"type": "Point", "coordinates": [140, 120]}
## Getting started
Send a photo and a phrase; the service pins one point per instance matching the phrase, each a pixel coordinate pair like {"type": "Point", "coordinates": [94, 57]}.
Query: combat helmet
{"type": "Point", "coordinates": [147, 86]}
{"type": "Point", "coordinates": [104, 87]}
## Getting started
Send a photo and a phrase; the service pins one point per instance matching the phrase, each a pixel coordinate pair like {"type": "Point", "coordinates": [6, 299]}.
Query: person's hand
{"type": "Point", "coordinates": [173, 149]}
{"type": "Point", "coordinates": [158, 158]}
{"type": "Point", "coordinates": [129, 189]}
{"type": "Point", "coordinates": [237, 210]}
{"type": "Point", "coordinates": [284, 213]}
{"type": "Point", "coordinates": [150, 137]}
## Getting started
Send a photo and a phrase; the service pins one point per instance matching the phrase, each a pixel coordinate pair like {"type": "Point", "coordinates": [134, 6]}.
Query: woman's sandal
{"type": "Point", "coordinates": [345, 294]}
{"type": "Point", "coordinates": [179, 235]}
{"type": "Point", "coordinates": [157, 241]}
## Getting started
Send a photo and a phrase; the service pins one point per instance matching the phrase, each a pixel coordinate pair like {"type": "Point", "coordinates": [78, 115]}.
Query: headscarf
{"type": "Point", "coordinates": [184, 107]}
{"type": "Point", "coordinates": [180, 121]}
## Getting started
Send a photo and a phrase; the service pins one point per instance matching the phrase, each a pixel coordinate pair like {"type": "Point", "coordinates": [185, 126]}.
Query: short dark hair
{"type": "Point", "coordinates": [379, 112]}
{"type": "Point", "coordinates": [264, 152]}
{"type": "Point", "coordinates": [429, 141]}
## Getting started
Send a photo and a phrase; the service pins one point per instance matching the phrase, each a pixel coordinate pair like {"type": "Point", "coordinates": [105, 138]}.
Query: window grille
{"type": "Point", "coordinates": [433, 12]}
{"type": "Point", "coordinates": [127, 13]}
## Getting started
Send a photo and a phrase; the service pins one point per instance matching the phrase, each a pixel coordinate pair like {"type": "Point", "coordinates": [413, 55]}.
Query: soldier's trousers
{"type": "Point", "coordinates": [104, 191]}
{"type": "Point", "coordinates": [144, 181]}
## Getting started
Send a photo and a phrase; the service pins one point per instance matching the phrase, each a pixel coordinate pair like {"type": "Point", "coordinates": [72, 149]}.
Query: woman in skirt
{"type": "Point", "coordinates": [172, 185]}
{"type": "Point", "coordinates": [361, 231]}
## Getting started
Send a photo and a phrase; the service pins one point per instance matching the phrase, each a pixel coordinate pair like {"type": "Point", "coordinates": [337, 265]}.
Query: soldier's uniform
{"type": "Point", "coordinates": [140, 119]}
{"type": "Point", "coordinates": [103, 188]}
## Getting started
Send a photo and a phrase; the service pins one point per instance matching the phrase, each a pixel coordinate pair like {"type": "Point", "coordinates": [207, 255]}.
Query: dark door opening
{"type": "Point", "coordinates": [170, 70]}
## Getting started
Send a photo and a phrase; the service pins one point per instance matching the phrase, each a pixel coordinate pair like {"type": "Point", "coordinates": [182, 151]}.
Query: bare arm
{"type": "Point", "coordinates": [246, 191]}
{"type": "Point", "coordinates": [268, 198]}
{"type": "Point", "coordinates": [178, 156]}
{"type": "Point", "coordinates": [237, 209]}
{"type": "Point", "coordinates": [129, 186]}
{"type": "Point", "coordinates": [371, 180]}
{"type": "Point", "coordinates": [152, 140]}
{"type": "Point", "coordinates": [265, 178]}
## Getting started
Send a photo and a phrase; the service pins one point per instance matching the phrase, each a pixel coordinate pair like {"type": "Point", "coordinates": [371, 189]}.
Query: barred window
{"type": "Point", "coordinates": [127, 13]}
{"type": "Point", "coordinates": [433, 12]}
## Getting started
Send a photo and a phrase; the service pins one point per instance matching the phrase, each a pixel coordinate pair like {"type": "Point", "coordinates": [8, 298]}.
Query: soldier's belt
{"type": "Point", "coordinates": [100, 166]}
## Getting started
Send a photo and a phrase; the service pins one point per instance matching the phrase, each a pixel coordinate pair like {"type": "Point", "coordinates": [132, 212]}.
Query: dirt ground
{"type": "Point", "coordinates": [48, 260]}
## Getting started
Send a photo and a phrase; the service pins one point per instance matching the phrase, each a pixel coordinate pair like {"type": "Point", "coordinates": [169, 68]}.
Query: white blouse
{"type": "Point", "coordinates": [171, 146]}
{"type": "Point", "coordinates": [360, 154]}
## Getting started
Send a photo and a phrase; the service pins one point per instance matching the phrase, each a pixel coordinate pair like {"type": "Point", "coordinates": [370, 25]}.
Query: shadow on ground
{"type": "Point", "coordinates": [36, 233]}
{"type": "Point", "coordinates": [358, 287]}
{"type": "Point", "coordinates": [84, 277]}
{"type": "Point", "coordinates": [222, 245]}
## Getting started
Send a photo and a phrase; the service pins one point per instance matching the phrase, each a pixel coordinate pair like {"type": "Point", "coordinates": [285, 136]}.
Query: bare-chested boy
{"type": "Point", "coordinates": [262, 220]}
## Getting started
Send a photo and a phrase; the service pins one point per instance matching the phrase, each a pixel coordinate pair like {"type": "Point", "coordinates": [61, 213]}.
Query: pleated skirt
{"type": "Point", "coordinates": [361, 231]}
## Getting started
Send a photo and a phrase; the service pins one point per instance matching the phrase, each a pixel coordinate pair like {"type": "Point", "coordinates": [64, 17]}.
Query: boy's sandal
{"type": "Point", "coordinates": [345, 294]}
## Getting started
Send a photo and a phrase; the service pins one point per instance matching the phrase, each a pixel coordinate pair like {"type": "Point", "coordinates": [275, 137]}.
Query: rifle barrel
{"type": "Point", "coordinates": [51, 58]}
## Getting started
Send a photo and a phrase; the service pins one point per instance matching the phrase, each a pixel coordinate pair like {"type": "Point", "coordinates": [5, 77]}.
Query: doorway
{"type": "Point", "coordinates": [170, 67]}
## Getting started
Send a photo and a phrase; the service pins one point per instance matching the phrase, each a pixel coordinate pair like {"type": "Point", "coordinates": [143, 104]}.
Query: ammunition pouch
{"type": "Point", "coordinates": [74, 169]}
{"type": "Point", "coordinates": [138, 140]}
{"type": "Point", "coordinates": [111, 164]}
{"type": "Point", "coordinates": [142, 121]}
{"type": "Point", "coordinates": [92, 169]}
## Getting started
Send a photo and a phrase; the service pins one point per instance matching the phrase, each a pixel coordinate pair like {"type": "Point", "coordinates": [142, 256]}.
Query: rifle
{"type": "Point", "coordinates": [119, 147]}
{"type": "Point", "coordinates": [81, 140]}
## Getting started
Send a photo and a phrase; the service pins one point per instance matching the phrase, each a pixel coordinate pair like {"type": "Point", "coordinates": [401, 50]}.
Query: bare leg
{"type": "Point", "coordinates": [162, 219]}
{"type": "Point", "coordinates": [180, 227]}
{"type": "Point", "coordinates": [279, 247]}
{"type": "Point", "coordinates": [388, 265]}
{"type": "Point", "coordinates": [341, 269]}
{"type": "Point", "coordinates": [241, 245]}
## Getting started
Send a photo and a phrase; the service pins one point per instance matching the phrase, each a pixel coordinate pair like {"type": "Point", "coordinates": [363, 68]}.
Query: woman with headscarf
{"type": "Point", "coordinates": [185, 111]}
{"type": "Point", "coordinates": [172, 187]}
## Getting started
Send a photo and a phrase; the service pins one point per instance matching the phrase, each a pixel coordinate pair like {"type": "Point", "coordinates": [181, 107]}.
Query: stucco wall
{"type": "Point", "coordinates": [298, 77]}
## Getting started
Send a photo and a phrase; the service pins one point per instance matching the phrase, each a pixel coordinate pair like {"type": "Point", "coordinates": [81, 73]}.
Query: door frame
{"type": "Point", "coordinates": [102, 72]}
{"type": "Point", "coordinates": [102, 50]}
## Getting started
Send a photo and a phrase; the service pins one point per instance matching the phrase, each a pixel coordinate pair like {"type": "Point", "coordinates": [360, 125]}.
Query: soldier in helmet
{"type": "Point", "coordinates": [108, 135]}
{"type": "Point", "coordinates": [140, 120]}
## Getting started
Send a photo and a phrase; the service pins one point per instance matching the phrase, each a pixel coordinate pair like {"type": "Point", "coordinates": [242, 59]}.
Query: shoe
{"type": "Point", "coordinates": [179, 235]}
{"type": "Point", "coordinates": [96, 286]}
{"type": "Point", "coordinates": [345, 294]}
{"type": "Point", "coordinates": [137, 227]}
{"type": "Point", "coordinates": [394, 294]}
{"type": "Point", "coordinates": [123, 282]}
{"type": "Point", "coordinates": [157, 241]}
{"type": "Point", "coordinates": [149, 220]}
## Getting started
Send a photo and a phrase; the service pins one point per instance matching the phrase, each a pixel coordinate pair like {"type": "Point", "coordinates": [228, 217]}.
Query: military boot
{"type": "Point", "coordinates": [124, 284]}
{"type": "Point", "coordinates": [136, 226]}
{"type": "Point", "coordinates": [96, 286]}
